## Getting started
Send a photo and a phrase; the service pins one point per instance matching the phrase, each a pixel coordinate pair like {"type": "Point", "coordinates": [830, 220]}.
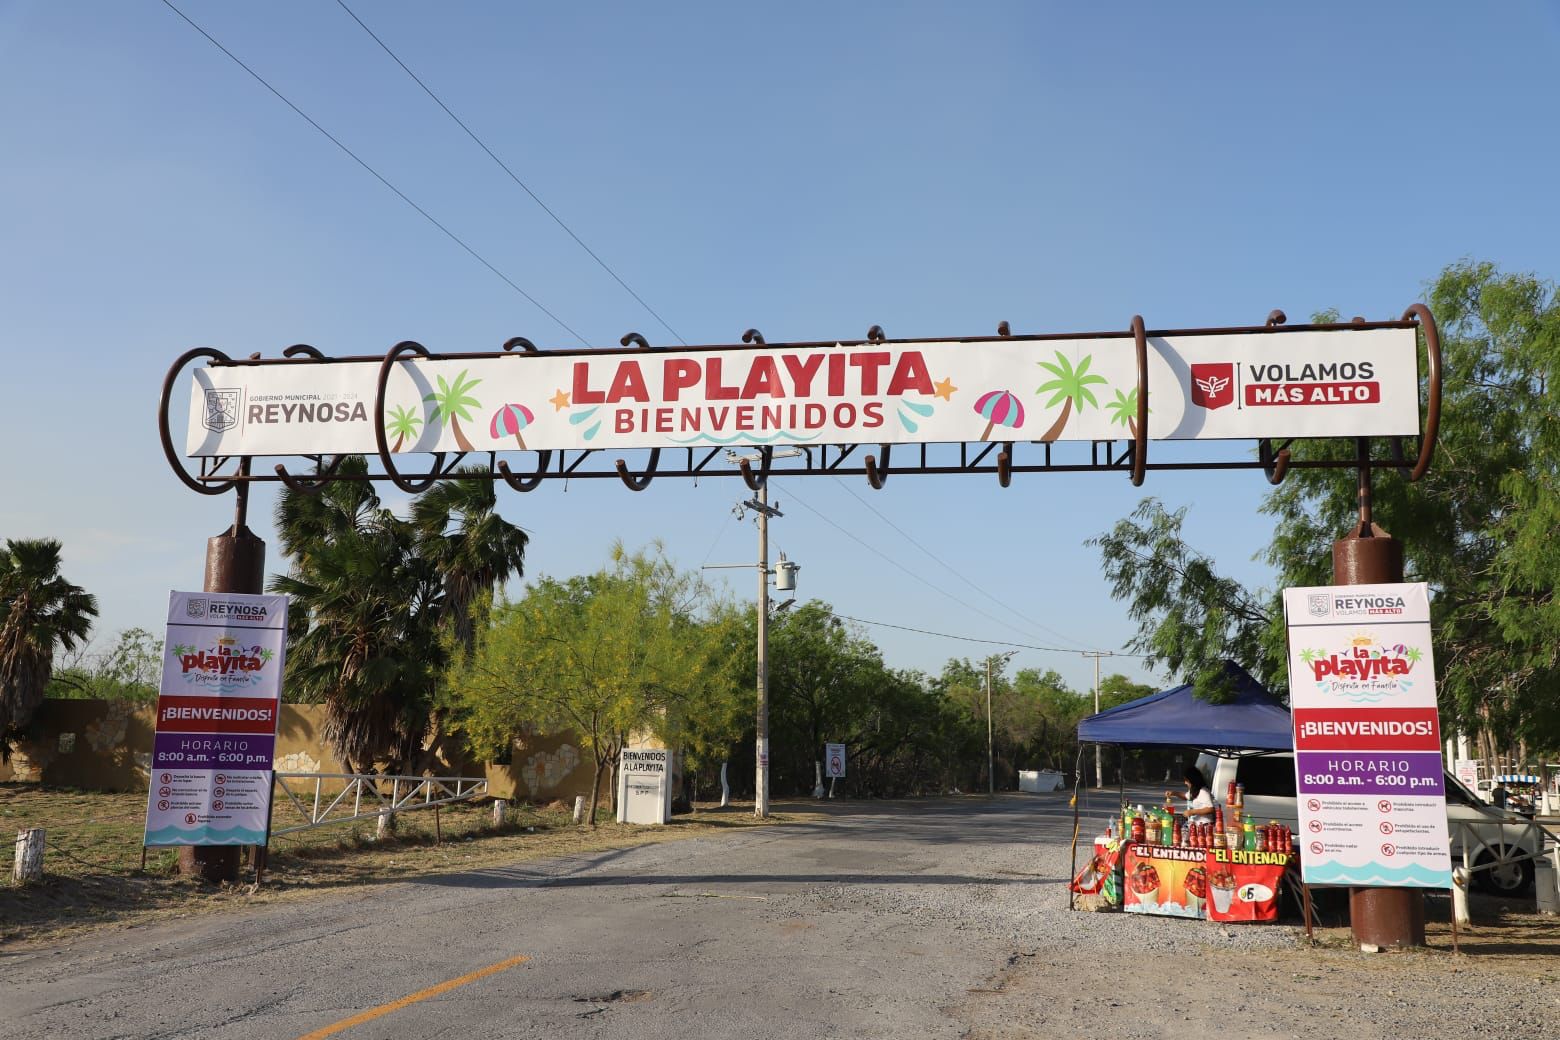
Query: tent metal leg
{"type": "Point", "coordinates": [1072, 871]}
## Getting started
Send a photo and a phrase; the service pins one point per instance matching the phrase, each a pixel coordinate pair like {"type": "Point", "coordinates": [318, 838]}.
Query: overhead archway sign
{"type": "Point", "coordinates": [1272, 382]}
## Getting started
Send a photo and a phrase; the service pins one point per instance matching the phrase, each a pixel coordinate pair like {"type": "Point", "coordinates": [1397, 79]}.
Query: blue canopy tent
{"type": "Point", "coordinates": [1253, 720]}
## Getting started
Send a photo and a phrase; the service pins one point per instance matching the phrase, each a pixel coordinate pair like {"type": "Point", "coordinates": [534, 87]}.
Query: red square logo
{"type": "Point", "coordinates": [1213, 386]}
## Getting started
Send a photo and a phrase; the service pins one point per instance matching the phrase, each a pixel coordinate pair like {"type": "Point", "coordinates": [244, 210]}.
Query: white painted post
{"type": "Point", "coordinates": [579, 808]}
{"type": "Point", "coordinates": [1460, 897]}
{"type": "Point", "coordinates": [725, 788]}
{"type": "Point", "coordinates": [29, 856]}
{"type": "Point", "coordinates": [499, 807]}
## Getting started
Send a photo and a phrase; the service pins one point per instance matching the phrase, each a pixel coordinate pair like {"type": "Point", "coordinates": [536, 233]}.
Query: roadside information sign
{"type": "Point", "coordinates": [834, 761]}
{"type": "Point", "coordinates": [217, 709]}
{"type": "Point", "coordinates": [1368, 770]}
{"type": "Point", "coordinates": [644, 786]}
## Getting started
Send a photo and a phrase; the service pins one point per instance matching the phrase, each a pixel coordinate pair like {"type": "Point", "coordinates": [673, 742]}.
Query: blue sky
{"type": "Point", "coordinates": [929, 168]}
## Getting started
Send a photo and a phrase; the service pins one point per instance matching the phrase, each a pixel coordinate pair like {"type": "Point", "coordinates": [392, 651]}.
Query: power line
{"type": "Point", "coordinates": [376, 174]}
{"type": "Point", "coordinates": [972, 639]}
{"type": "Point", "coordinates": [949, 568]}
{"type": "Point", "coordinates": [512, 175]}
{"type": "Point", "coordinates": [878, 552]}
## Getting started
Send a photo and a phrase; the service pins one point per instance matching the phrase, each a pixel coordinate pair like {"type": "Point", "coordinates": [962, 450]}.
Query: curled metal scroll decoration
{"type": "Point", "coordinates": [1432, 423]}
{"type": "Point", "coordinates": [755, 482]}
{"type": "Point", "coordinates": [396, 353]}
{"type": "Point", "coordinates": [877, 475]}
{"type": "Point", "coordinates": [197, 486]}
{"type": "Point", "coordinates": [642, 481]}
{"type": "Point", "coordinates": [323, 470]}
{"type": "Point", "coordinates": [1275, 465]}
{"type": "Point", "coordinates": [1140, 439]}
{"type": "Point", "coordinates": [530, 483]}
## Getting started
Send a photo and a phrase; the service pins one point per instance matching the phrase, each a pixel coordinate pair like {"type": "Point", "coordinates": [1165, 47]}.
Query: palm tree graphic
{"type": "Point", "coordinates": [1123, 411]}
{"type": "Point", "coordinates": [452, 403]}
{"type": "Point", "coordinates": [1414, 655]}
{"type": "Point", "coordinates": [1307, 656]}
{"type": "Point", "coordinates": [1069, 388]}
{"type": "Point", "coordinates": [403, 424]}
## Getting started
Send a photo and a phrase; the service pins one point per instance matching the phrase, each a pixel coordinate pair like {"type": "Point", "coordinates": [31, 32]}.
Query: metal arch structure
{"type": "Point", "coordinates": [1001, 459]}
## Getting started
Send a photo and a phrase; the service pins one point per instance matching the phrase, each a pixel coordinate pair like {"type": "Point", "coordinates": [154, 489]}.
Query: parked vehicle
{"type": "Point", "coordinates": [1494, 834]}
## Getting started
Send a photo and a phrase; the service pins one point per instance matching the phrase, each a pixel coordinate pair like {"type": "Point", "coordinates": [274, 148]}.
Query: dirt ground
{"type": "Point", "coordinates": [1322, 989]}
{"type": "Point", "coordinates": [93, 878]}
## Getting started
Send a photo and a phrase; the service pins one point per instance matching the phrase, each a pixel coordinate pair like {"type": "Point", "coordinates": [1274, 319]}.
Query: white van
{"type": "Point", "coordinates": [1269, 780]}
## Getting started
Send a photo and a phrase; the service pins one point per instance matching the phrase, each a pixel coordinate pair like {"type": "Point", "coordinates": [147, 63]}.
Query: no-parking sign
{"type": "Point", "coordinates": [834, 761]}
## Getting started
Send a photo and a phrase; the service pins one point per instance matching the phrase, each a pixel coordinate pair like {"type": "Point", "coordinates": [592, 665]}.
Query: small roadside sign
{"type": "Point", "coordinates": [834, 761]}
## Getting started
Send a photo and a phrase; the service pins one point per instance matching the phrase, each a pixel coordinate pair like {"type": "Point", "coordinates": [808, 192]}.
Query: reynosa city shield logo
{"type": "Point", "coordinates": [1317, 604]}
{"type": "Point", "coordinates": [221, 410]}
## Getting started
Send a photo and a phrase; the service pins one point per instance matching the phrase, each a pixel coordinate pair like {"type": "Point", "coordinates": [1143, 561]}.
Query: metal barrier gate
{"type": "Point", "coordinates": [407, 794]}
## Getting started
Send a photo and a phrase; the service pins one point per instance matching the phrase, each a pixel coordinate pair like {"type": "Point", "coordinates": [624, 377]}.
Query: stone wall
{"type": "Point", "coordinates": [106, 746]}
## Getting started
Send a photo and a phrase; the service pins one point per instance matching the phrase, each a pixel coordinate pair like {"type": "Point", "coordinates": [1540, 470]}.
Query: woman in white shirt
{"type": "Point", "coordinates": [1199, 800]}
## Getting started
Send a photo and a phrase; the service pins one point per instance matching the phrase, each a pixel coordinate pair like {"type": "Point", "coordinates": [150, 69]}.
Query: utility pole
{"type": "Point", "coordinates": [761, 775]}
{"type": "Point", "coordinates": [1099, 767]}
{"type": "Point", "coordinates": [785, 580]}
{"type": "Point", "coordinates": [991, 758]}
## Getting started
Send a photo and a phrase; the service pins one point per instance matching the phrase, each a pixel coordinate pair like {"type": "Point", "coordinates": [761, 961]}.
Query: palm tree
{"type": "Point", "coordinates": [366, 604]}
{"type": "Point", "coordinates": [452, 403]}
{"type": "Point", "coordinates": [473, 548]}
{"type": "Point", "coordinates": [403, 424]}
{"type": "Point", "coordinates": [40, 613]}
{"type": "Point", "coordinates": [1069, 388]}
{"type": "Point", "coordinates": [1124, 411]}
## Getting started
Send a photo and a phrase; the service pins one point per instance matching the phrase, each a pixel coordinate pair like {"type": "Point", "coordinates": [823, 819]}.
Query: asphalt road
{"type": "Point", "coordinates": [878, 922]}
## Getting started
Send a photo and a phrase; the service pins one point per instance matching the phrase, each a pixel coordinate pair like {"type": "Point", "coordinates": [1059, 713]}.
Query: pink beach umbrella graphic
{"type": "Point", "coordinates": [509, 420]}
{"type": "Point", "coordinates": [999, 408]}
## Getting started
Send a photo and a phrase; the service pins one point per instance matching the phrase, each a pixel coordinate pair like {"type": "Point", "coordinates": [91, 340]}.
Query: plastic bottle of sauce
{"type": "Point", "coordinates": [1249, 836]}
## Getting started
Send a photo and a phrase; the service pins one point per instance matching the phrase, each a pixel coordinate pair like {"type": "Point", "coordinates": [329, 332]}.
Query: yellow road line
{"type": "Point", "coordinates": [422, 994]}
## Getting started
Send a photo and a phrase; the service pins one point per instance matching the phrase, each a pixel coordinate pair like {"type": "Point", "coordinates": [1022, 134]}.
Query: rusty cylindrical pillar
{"type": "Point", "coordinates": [1382, 917]}
{"type": "Point", "coordinates": [235, 562]}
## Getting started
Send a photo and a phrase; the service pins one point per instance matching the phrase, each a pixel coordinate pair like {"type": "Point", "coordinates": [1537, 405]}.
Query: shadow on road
{"type": "Point", "coordinates": [516, 878]}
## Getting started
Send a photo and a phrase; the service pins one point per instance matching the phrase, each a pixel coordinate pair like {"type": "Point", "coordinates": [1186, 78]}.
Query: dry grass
{"type": "Point", "coordinates": [93, 854]}
{"type": "Point", "coordinates": [1506, 936]}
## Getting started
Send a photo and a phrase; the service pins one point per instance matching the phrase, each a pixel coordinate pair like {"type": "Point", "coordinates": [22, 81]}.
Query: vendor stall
{"type": "Point", "coordinates": [1229, 868]}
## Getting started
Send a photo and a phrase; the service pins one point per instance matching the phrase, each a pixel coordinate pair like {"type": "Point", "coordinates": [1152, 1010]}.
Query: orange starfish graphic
{"type": "Point", "coordinates": [559, 400]}
{"type": "Point", "coordinates": [945, 389]}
